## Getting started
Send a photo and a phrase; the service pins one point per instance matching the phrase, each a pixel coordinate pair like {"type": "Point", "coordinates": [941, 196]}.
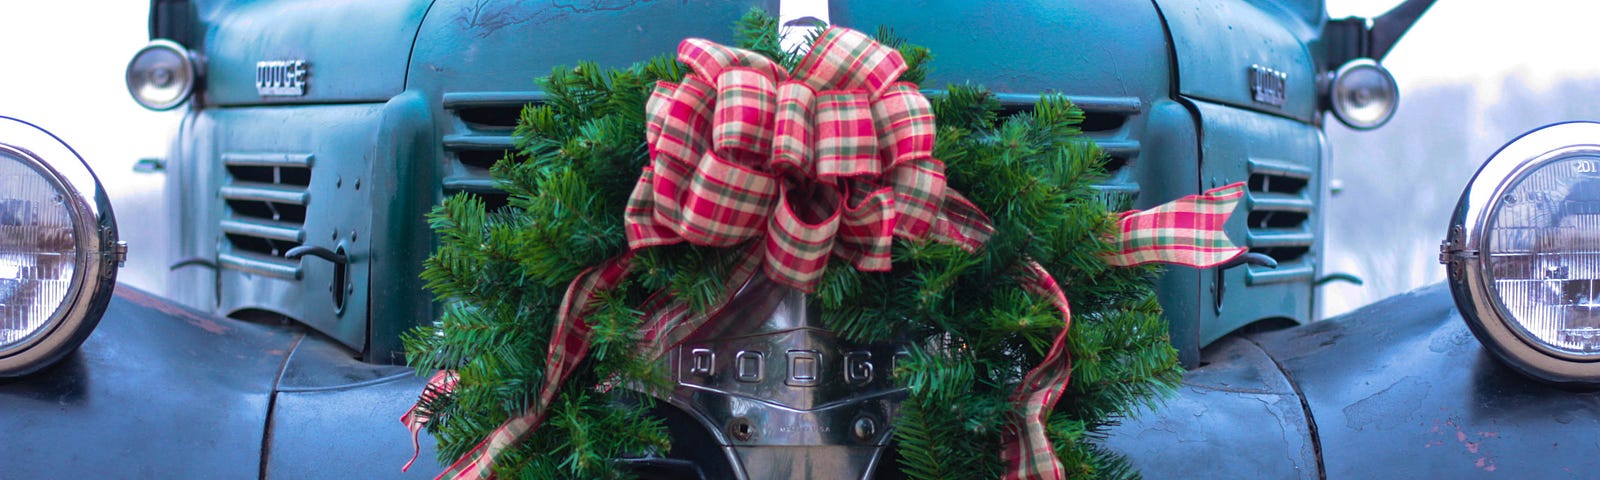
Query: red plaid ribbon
{"type": "Point", "coordinates": [833, 160]}
{"type": "Point", "coordinates": [442, 382]}
{"type": "Point", "coordinates": [1186, 231]}
{"type": "Point", "coordinates": [836, 159]}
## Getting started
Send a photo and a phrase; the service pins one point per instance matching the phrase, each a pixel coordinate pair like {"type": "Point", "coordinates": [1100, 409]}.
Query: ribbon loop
{"type": "Point", "coordinates": [905, 124]}
{"type": "Point", "coordinates": [845, 59]}
{"type": "Point", "coordinates": [709, 59]}
{"type": "Point", "coordinates": [725, 203]}
{"type": "Point", "coordinates": [847, 142]}
{"type": "Point", "coordinates": [800, 237]}
{"type": "Point", "coordinates": [791, 150]}
{"type": "Point", "coordinates": [746, 102]}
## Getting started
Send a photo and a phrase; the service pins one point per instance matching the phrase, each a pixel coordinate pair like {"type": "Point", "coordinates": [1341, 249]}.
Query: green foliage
{"type": "Point", "coordinates": [972, 330]}
{"type": "Point", "coordinates": [501, 276]}
{"type": "Point", "coordinates": [1033, 174]}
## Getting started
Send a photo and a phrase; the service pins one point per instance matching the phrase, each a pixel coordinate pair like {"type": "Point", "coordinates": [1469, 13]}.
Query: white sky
{"type": "Point", "coordinates": [1485, 40]}
{"type": "Point", "coordinates": [63, 64]}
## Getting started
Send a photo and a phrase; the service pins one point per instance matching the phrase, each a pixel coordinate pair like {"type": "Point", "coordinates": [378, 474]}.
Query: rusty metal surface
{"type": "Point", "coordinates": [1401, 389]}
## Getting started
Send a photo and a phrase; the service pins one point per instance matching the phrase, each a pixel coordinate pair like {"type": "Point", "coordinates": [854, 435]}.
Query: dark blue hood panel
{"type": "Point", "coordinates": [1399, 389]}
{"type": "Point", "coordinates": [157, 391]}
{"type": "Point", "coordinates": [161, 391]}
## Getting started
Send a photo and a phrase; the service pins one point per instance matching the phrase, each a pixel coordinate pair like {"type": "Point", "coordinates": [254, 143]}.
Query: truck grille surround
{"type": "Point", "coordinates": [1280, 208]}
{"type": "Point", "coordinates": [267, 199]}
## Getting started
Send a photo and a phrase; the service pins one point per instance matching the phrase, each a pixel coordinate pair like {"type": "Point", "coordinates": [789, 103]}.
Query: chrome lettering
{"type": "Point", "coordinates": [282, 78]}
{"type": "Point", "coordinates": [1268, 86]}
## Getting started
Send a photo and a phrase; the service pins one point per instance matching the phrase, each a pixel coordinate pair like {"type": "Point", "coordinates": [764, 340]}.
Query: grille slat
{"type": "Point", "coordinates": [302, 160]}
{"type": "Point", "coordinates": [260, 264]}
{"type": "Point", "coordinates": [477, 142]}
{"type": "Point", "coordinates": [1279, 237]}
{"type": "Point", "coordinates": [1278, 202]}
{"type": "Point", "coordinates": [259, 192]}
{"type": "Point", "coordinates": [267, 199]}
{"type": "Point", "coordinates": [288, 232]}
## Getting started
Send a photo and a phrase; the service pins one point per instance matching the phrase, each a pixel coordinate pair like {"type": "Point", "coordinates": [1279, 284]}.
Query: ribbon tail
{"type": "Point", "coordinates": [1025, 445]}
{"type": "Point", "coordinates": [569, 344]}
{"type": "Point", "coordinates": [442, 382]}
{"type": "Point", "coordinates": [1187, 231]}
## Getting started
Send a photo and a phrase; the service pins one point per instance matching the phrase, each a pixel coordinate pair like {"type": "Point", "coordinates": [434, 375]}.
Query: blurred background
{"type": "Point", "coordinates": [1473, 74]}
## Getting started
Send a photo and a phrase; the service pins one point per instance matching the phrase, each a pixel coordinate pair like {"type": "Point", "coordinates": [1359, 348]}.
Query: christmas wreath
{"type": "Point", "coordinates": [935, 222]}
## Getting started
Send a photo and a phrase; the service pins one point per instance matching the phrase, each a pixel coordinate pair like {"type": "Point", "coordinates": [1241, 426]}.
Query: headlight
{"type": "Point", "coordinates": [1523, 253]}
{"type": "Point", "coordinates": [162, 75]}
{"type": "Point", "coordinates": [1364, 95]}
{"type": "Point", "coordinates": [58, 249]}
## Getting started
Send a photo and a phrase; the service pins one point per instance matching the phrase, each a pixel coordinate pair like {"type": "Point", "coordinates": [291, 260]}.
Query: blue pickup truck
{"type": "Point", "coordinates": [316, 136]}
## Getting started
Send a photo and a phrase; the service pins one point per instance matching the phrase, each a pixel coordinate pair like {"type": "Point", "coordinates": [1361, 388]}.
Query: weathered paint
{"type": "Point", "coordinates": [1399, 389]}
{"type": "Point", "coordinates": [151, 394]}
{"type": "Point", "coordinates": [357, 50]}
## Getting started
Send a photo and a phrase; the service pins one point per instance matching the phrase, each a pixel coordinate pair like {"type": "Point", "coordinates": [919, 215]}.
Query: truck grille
{"type": "Point", "coordinates": [483, 124]}
{"type": "Point", "coordinates": [1279, 220]}
{"type": "Point", "coordinates": [481, 135]}
{"type": "Point", "coordinates": [1105, 119]}
{"type": "Point", "coordinates": [266, 198]}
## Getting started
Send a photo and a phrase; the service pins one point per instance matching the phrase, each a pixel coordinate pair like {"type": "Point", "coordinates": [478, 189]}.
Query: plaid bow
{"type": "Point", "coordinates": [835, 159]}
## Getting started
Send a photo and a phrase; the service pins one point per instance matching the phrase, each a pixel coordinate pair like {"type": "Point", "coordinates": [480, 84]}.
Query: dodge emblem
{"type": "Point", "coordinates": [282, 78]}
{"type": "Point", "coordinates": [1269, 86]}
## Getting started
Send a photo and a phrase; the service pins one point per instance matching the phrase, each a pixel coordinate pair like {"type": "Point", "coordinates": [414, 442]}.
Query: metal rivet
{"type": "Point", "coordinates": [865, 428]}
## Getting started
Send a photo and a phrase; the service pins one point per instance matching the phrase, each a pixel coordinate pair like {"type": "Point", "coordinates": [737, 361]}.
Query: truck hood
{"type": "Point", "coordinates": [356, 50]}
{"type": "Point", "coordinates": [465, 46]}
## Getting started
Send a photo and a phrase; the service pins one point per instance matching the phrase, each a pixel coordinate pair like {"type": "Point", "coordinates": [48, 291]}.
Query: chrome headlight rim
{"type": "Point", "coordinates": [97, 256]}
{"type": "Point", "coordinates": [1470, 275]}
{"type": "Point", "coordinates": [188, 62]}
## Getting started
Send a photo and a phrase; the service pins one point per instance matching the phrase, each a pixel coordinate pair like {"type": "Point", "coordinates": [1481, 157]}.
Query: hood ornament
{"type": "Point", "coordinates": [282, 78]}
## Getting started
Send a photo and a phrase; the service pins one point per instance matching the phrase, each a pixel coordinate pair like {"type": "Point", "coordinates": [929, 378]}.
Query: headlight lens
{"type": "Point", "coordinates": [37, 250]}
{"type": "Point", "coordinates": [162, 75]}
{"type": "Point", "coordinates": [1364, 95]}
{"type": "Point", "coordinates": [1524, 253]}
{"type": "Point", "coordinates": [58, 249]}
{"type": "Point", "coordinates": [1543, 255]}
